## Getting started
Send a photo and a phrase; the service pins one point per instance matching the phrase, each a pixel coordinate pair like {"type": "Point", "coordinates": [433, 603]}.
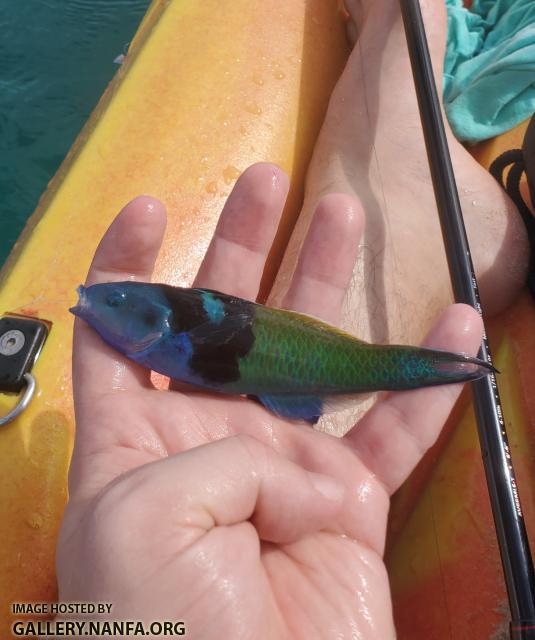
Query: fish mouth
{"type": "Point", "coordinates": [81, 309]}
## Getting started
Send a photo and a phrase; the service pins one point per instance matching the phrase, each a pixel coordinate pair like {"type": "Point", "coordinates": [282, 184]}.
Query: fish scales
{"type": "Point", "coordinates": [292, 352]}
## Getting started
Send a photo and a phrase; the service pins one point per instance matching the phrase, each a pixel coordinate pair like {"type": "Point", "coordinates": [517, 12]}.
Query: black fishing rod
{"type": "Point", "coordinates": [508, 519]}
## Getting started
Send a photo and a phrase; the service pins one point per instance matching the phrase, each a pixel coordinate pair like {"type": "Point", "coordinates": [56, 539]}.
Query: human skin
{"type": "Point", "coordinates": [371, 145]}
{"type": "Point", "coordinates": [209, 509]}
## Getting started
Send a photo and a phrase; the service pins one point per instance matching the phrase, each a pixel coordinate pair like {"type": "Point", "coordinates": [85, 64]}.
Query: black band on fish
{"type": "Point", "coordinates": [203, 314]}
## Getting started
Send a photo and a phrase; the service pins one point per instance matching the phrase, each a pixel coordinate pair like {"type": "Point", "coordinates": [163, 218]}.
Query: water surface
{"type": "Point", "coordinates": [56, 58]}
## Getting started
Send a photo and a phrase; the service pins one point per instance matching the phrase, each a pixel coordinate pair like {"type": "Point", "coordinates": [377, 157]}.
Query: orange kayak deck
{"type": "Point", "coordinates": [442, 553]}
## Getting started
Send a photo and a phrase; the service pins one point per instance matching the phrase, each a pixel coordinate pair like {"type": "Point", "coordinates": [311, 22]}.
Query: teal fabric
{"type": "Point", "coordinates": [489, 70]}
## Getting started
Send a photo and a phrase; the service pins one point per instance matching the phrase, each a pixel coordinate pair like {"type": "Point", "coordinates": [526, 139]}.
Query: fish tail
{"type": "Point", "coordinates": [462, 368]}
{"type": "Point", "coordinates": [429, 367]}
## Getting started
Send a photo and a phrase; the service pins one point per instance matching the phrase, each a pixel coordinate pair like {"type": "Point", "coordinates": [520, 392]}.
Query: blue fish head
{"type": "Point", "coordinates": [130, 316]}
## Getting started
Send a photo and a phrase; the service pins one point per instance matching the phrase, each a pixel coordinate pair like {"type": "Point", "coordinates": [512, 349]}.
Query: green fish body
{"type": "Point", "coordinates": [293, 363]}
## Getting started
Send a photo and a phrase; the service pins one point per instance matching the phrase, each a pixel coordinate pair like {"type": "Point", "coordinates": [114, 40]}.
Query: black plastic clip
{"type": "Point", "coordinates": [21, 341]}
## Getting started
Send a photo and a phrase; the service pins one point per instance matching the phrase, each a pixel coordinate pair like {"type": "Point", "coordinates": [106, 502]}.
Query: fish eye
{"type": "Point", "coordinates": [116, 298]}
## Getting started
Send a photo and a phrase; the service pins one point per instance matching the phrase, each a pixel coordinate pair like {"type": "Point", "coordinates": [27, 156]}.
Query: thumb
{"type": "Point", "coordinates": [225, 483]}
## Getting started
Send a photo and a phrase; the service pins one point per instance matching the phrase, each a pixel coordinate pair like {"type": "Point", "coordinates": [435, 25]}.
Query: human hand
{"type": "Point", "coordinates": [209, 509]}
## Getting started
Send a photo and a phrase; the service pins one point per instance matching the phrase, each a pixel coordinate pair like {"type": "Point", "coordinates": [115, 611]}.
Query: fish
{"type": "Point", "coordinates": [297, 366]}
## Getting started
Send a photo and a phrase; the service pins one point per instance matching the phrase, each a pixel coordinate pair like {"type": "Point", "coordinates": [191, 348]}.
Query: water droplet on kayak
{"type": "Point", "coordinates": [35, 520]}
{"type": "Point", "coordinates": [211, 187]}
{"type": "Point", "coordinates": [253, 108]}
{"type": "Point", "coordinates": [474, 202]}
{"type": "Point", "coordinates": [243, 131]}
{"type": "Point", "coordinates": [279, 75]}
{"type": "Point", "coordinates": [230, 174]}
{"type": "Point", "coordinates": [258, 80]}
{"type": "Point", "coordinates": [204, 160]}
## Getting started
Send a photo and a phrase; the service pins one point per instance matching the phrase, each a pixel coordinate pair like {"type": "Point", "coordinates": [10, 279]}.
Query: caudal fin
{"type": "Point", "coordinates": [429, 367]}
{"type": "Point", "coordinates": [461, 368]}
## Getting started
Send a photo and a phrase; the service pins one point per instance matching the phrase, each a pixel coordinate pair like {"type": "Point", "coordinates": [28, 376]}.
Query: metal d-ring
{"type": "Point", "coordinates": [23, 402]}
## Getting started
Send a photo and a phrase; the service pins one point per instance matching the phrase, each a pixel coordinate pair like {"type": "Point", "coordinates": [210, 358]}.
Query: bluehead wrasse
{"type": "Point", "coordinates": [296, 365]}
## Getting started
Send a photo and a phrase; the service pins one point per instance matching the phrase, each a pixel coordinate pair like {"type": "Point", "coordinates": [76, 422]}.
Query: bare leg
{"type": "Point", "coordinates": [371, 146]}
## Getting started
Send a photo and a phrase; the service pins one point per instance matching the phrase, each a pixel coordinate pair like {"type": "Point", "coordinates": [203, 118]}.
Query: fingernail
{"type": "Point", "coordinates": [327, 486]}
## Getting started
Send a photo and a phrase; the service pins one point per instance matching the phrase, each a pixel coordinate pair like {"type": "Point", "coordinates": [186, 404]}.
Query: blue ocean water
{"type": "Point", "coordinates": [56, 58]}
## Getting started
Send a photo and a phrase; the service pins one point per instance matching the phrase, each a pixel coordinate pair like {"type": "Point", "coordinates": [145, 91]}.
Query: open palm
{"type": "Point", "coordinates": [209, 509]}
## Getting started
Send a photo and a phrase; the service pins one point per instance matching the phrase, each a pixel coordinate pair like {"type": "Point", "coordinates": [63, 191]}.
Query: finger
{"type": "Point", "coordinates": [127, 251]}
{"type": "Point", "coordinates": [327, 258]}
{"type": "Point", "coordinates": [236, 256]}
{"type": "Point", "coordinates": [394, 435]}
{"type": "Point", "coordinates": [224, 483]}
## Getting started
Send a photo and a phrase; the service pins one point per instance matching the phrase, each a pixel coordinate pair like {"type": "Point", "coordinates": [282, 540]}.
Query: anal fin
{"type": "Point", "coordinates": [308, 407]}
{"type": "Point", "coordinates": [294, 407]}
